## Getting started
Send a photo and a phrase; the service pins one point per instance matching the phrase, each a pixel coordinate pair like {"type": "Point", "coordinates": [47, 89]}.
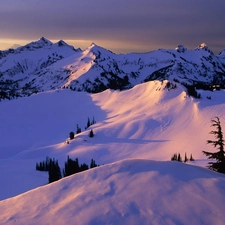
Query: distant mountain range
{"type": "Point", "coordinates": [42, 65]}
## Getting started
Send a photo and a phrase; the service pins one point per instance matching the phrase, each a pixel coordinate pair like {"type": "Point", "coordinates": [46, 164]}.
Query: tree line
{"type": "Point", "coordinates": [218, 157]}
{"type": "Point", "coordinates": [70, 167]}
{"type": "Point", "coordinates": [177, 157]}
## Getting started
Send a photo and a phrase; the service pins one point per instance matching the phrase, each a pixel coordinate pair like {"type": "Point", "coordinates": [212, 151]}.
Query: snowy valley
{"type": "Point", "coordinates": [143, 115]}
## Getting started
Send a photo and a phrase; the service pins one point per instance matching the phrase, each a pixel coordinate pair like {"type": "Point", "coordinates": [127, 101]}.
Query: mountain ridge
{"type": "Point", "coordinates": [42, 66]}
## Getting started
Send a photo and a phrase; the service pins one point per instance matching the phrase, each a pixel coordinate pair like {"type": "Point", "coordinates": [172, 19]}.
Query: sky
{"type": "Point", "coordinates": [121, 26]}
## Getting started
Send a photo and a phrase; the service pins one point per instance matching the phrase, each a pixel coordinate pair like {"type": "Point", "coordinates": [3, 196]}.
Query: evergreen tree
{"type": "Point", "coordinates": [71, 167]}
{"type": "Point", "coordinates": [83, 167]}
{"type": "Point", "coordinates": [191, 158]}
{"type": "Point", "coordinates": [185, 158]}
{"type": "Point", "coordinates": [179, 159]}
{"type": "Point", "coordinates": [71, 135]}
{"type": "Point", "coordinates": [91, 134]}
{"type": "Point", "coordinates": [93, 121]}
{"type": "Point", "coordinates": [93, 164]}
{"type": "Point", "coordinates": [219, 156]}
{"type": "Point", "coordinates": [42, 168]}
{"type": "Point", "coordinates": [88, 123]}
{"type": "Point", "coordinates": [47, 163]}
{"type": "Point", "coordinates": [54, 172]}
{"type": "Point", "coordinates": [174, 157]}
{"type": "Point", "coordinates": [78, 129]}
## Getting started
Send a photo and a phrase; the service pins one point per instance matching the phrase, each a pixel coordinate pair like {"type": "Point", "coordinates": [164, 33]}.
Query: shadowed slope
{"type": "Point", "coordinates": [127, 192]}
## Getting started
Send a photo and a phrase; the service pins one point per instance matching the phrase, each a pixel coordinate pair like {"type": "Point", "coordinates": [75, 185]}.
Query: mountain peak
{"type": "Point", "coordinates": [222, 54]}
{"type": "Point", "coordinates": [93, 44]}
{"type": "Point", "coordinates": [204, 47]}
{"type": "Point", "coordinates": [45, 40]}
{"type": "Point", "coordinates": [94, 48]}
{"type": "Point", "coordinates": [42, 42]}
{"type": "Point", "coordinates": [62, 43]}
{"type": "Point", "coordinates": [180, 48]}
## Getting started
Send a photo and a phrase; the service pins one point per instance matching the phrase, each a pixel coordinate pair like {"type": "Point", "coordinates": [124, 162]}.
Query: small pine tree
{"type": "Point", "coordinates": [93, 164]}
{"type": "Point", "coordinates": [78, 129]}
{"type": "Point", "coordinates": [91, 134]}
{"type": "Point", "coordinates": [83, 167]}
{"type": "Point", "coordinates": [93, 121]}
{"type": "Point", "coordinates": [88, 123]}
{"type": "Point", "coordinates": [179, 159]}
{"type": "Point", "coordinates": [54, 172]}
{"type": "Point", "coordinates": [37, 166]}
{"type": "Point", "coordinates": [71, 167]}
{"type": "Point", "coordinates": [174, 157]}
{"type": "Point", "coordinates": [185, 158]}
{"type": "Point", "coordinates": [191, 158]}
{"type": "Point", "coordinates": [219, 156]}
{"type": "Point", "coordinates": [71, 135]}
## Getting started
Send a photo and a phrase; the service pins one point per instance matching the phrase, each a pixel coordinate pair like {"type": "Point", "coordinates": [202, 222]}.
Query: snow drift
{"type": "Point", "coordinates": [148, 121]}
{"type": "Point", "coordinates": [127, 192]}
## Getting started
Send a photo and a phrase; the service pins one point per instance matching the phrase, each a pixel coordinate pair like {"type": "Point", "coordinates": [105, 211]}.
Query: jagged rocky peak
{"type": "Point", "coordinates": [42, 42]}
{"type": "Point", "coordinates": [180, 48]}
{"type": "Point", "coordinates": [204, 47]}
{"type": "Point", "coordinates": [94, 46]}
{"type": "Point", "coordinates": [62, 43]}
{"type": "Point", "coordinates": [222, 54]}
{"type": "Point", "coordinates": [96, 49]}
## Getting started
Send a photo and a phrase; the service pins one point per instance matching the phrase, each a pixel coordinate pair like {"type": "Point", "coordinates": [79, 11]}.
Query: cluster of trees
{"type": "Point", "coordinates": [89, 123]}
{"type": "Point", "coordinates": [218, 164]}
{"type": "Point", "coordinates": [71, 167]}
{"type": "Point", "coordinates": [52, 166]}
{"type": "Point", "coordinates": [191, 91]}
{"type": "Point", "coordinates": [71, 135]}
{"type": "Point", "coordinates": [113, 81]}
{"type": "Point", "coordinates": [177, 157]}
{"type": "Point", "coordinates": [170, 85]}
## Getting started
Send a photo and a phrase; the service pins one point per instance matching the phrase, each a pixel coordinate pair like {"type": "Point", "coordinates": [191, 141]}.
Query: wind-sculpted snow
{"type": "Point", "coordinates": [42, 65]}
{"type": "Point", "coordinates": [127, 192]}
{"type": "Point", "coordinates": [148, 121]}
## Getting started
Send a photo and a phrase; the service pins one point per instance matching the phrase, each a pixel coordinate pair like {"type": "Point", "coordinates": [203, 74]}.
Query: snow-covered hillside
{"type": "Point", "coordinates": [148, 122]}
{"type": "Point", "coordinates": [42, 66]}
{"type": "Point", "coordinates": [127, 192]}
{"type": "Point", "coordinates": [137, 130]}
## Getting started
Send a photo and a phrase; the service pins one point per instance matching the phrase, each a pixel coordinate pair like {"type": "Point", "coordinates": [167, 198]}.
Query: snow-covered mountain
{"type": "Point", "coordinates": [27, 70]}
{"type": "Point", "coordinates": [136, 133]}
{"type": "Point", "coordinates": [42, 65]}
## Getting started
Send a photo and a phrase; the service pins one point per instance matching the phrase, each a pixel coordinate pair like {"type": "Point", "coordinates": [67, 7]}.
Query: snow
{"type": "Point", "coordinates": [137, 132]}
{"type": "Point", "coordinates": [127, 192]}
{"type": "Point", "coordinates": [42, 66]}
{"type": "Point", "coordinates": [148, 122]}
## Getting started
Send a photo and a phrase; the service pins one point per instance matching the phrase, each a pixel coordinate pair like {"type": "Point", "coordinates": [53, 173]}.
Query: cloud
{"type": "Point", "coordinates": [163, 22]}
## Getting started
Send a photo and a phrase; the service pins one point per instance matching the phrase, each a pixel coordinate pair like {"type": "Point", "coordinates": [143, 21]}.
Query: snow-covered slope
{"type": "Point", "coordinates": [126, 192]}
{"type": "Point", "coordinates": [41, 66]}
{"type": "Point", "coordinates": [27, 69]}
{"type": "Point", "coordinates": [148, 121]}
